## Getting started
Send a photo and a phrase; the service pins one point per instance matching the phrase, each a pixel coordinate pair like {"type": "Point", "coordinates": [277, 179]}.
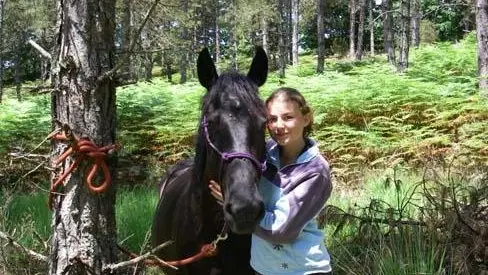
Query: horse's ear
{"type": "Point", "coordinates": [207, 74]}
{"type": "Point", "coordinates": [259, 67]}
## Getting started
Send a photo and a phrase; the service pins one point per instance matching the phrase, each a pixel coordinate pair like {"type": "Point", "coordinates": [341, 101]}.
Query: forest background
{"type": "Point", "coordinates": [398, 90]}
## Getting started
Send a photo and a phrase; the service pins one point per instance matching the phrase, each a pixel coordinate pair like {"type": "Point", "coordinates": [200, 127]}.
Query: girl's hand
{"type": "Point", "coordinates": [216, 192]}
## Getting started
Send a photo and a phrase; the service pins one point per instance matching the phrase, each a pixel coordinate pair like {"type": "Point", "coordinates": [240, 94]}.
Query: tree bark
{"type": "Point", "coordinates": [184, 47]}
{"type": "Point", "coordinates": [288, 27]}
{"type": "Point", "coordinates": [264, 26]}
{"type": "Point", "coordinates": [359, 50]}
{"type": "Point", "coordinates": [148, 65]}
{"type": "Point", "coordinates": [352, 27]}
{"type": "Point", "coordinates": [281, 40]}
{"type": "Point", "coordinates": [166, 64]}
{"type": "Point", "coordinates": [482, 36]}
{"type": "Point", "coordinates": [371, 27]}
{"type": "Point", "coordinates": [18, 81]}
{"type": "Point", "coordinates": [415, 23]}
{"type": "Point", "coordinates": [126, 37]}
{"type": "Point", "coordinates": [84, 232]}
{"type": "Point", "coordinates": [217, 34]}
{"type": "Point", "coordinates": [2, 5]}
{"type": "Point", "coordinates": [320, 37]}
{"type": "Point", "coordinates": [295, 30]}
{"type": "Point", "coordinates": [388, 33]}
{"type": "Point", "coordinates": [404, 36]}
{"type": "Point", "coordinates": [233, 36]}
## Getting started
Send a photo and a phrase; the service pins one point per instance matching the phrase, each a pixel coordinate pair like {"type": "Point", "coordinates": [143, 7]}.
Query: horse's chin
{"type": "Point", "coordinates": [242, 229]}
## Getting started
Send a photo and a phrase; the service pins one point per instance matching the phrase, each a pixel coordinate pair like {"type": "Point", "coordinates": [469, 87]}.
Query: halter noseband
{"type": "Point", "coordinates": [228, 156]}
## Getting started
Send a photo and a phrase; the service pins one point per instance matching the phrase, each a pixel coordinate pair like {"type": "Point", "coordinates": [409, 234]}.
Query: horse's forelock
{"type": "Point", "coordinates": [241, 87]}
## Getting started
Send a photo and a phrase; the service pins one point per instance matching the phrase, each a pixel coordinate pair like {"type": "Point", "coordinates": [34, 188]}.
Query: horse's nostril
{"type": "Point", "coordinates": [245, 214]}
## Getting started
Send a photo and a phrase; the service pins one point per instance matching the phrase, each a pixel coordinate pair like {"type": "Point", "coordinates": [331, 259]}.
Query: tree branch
{"type": "Point", "coordinates": [386, 221]}
{"type": "Point", "coordinates": [136, 260]}
{"type": "Point", "coordinates": [28, 252]}
{"type": "Point", "coordinates": [113, 71]}
{"type": "Point", "coordinates": [40, 49]}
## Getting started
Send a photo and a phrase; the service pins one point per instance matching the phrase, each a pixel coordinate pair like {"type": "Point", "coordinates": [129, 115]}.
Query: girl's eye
{"type": "Point", "coordinates": [288, 117]}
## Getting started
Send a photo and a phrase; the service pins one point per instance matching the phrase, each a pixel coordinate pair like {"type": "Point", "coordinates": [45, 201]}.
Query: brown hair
{"type": "Point", "coordinates": [295, 96]}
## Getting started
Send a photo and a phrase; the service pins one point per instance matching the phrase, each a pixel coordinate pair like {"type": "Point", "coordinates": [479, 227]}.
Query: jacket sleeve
{"type": "Point", "coordinates": [294, 210]}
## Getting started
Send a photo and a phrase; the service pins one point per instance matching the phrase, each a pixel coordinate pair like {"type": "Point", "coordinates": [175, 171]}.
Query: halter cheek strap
{"type": "Point", "coordinates": [228, 156]}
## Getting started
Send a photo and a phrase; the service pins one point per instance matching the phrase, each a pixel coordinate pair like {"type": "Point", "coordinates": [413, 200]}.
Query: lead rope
{"type": "Point", "coordinates": [206, 251]}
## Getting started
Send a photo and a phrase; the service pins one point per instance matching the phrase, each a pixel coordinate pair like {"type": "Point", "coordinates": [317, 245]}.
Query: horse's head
{"type": "Point", "coordinates": [233, 135]}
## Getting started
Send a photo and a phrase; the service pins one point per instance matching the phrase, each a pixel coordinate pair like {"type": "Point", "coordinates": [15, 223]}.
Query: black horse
{"type": "Point", "coordinates": [230, 149]}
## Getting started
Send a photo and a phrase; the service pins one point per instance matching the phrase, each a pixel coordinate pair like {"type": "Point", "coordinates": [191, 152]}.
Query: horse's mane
{"type": "Point", "coordinates": [245, 90]}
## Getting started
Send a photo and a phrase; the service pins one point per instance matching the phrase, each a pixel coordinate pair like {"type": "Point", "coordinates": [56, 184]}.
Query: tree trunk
{"type": "Point", "coordinates": [482, 35]}
{"type": "Point", "coordinates": [281, 40]}
{"type": "Point", "coordinates": [217, 36]}
{"type": "Point", "coordinates": [84, 232]}
{"type": "Point", "coordinates": [264, 26]}
{"type": "Point", "coordinates": [2, 5]}
{"type": "Point", "coordinates": [320, 37]}
{"type": "Point", "coordinates": [193, 49]}
{"type": "Point", "coordinates": [126, 37]}
{"type": "Point", "coordinates": [404, 36]}
{"type": "Point", "coordinates": [295, 31]}
{"type": "Point", "coordinates": [184, 47]}
{"type": "Point", "coordinates": [359, 50]}
{"type": "Point", "coordinates": [371, 27]}
{"type": "Point", "coordinates": [415, 23]}
{"type": "Point", "coordinates": [166, 64]}
{"type": "Point", "coordinates": [18, 81]}
{"type": "Point", "coordinates": [288, 32]}
{"type": "Point", "coordinates": [233, 36]}
{"type": "Point", "coordinates": [388, 30]}
{"type": "Point", "coordinates": [352, 27]}
{"type": "Point", "coordinates": [148, 66]}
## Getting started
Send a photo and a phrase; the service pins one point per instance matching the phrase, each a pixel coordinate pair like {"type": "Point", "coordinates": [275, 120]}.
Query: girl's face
{"type": "Point", "coordinates": [286, 122]}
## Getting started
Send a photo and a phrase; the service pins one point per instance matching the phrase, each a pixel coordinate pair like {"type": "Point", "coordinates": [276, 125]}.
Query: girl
{"type": "Point", "coordinates": [295, 187]}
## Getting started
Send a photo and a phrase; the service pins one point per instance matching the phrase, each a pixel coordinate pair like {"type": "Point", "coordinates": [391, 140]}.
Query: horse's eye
{"type": "Point", "coordinates": [237, 106]}
{"type": "Point", "coordinates": [212, 120]}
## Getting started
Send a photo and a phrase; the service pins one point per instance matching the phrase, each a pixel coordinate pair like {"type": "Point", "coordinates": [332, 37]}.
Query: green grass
{"type": "Point", "coordinates": [406, 250]}
{"type": "Point", "coordinates": [28, 219]}
{"type": "Point", "coordinates": [134, 210]}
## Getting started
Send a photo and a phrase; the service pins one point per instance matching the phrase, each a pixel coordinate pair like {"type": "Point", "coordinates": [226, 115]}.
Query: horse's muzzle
{"type": "Point", "coordinates": [244, 217]}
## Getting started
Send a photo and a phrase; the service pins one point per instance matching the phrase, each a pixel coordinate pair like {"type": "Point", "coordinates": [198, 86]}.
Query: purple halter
{"type": "Point", "coordinates": [225, 156]}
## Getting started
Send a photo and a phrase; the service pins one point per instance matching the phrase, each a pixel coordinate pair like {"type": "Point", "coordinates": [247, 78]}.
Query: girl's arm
{"type": "Point", "coordinates": [294, 210]}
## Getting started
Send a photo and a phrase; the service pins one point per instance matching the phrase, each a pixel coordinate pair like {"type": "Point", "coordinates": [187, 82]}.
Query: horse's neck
{"type": "Point", "coordinates": [212, 214]}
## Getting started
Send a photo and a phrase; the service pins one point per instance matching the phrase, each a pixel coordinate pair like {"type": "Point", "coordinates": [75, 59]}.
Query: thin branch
{"type": "Point", "coordinates": [136, 260]}
{"type": "Point", "coordinates": [392, 222]}
{"type": "Point", "coordinates": [386, 12]}
{"type": "Point", "coordinates": [29, 252]}
{"type": "Point", "coordinates": [33, 170]}
{"type": "Point", "coordinates": [32, 183]}
{"type": "Point", "coordinates": [39, 89]}
{"type": "Point", "coordinates": [27, 156]}
{"type": "Point", "coordinates": [40, 49]}
{"type": "Point", "coordinates": [438, 7]}
{"type": "Point", "coordinates": [138, 52]}
{"type": "Point", "coordinates": [458, 214]}
{"type": "Point", "coordinates": [113, 71]}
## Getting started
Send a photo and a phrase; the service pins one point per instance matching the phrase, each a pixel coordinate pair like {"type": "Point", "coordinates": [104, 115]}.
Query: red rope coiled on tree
{"type": "Point", "coordinates": [81, 149]}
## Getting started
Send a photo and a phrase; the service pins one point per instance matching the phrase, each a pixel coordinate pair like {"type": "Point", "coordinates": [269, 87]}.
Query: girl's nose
{"type": "Point", "coordinates": [280, 123]}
